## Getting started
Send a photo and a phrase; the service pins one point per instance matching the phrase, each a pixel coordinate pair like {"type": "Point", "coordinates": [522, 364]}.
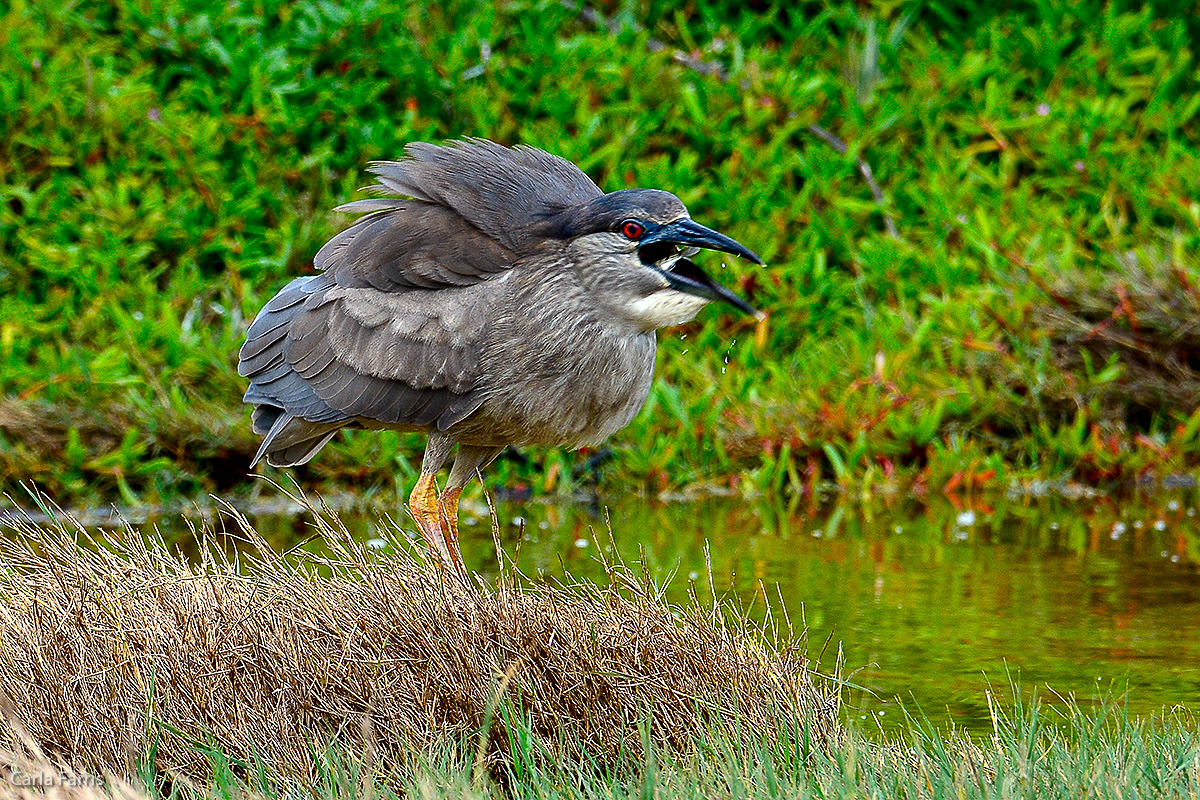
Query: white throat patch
{"type": "Point", "coordinates": [664, 308]}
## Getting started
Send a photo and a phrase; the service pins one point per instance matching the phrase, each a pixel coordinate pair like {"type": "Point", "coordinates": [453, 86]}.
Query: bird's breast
{"type": "Point", "coordinates": [560, 380]}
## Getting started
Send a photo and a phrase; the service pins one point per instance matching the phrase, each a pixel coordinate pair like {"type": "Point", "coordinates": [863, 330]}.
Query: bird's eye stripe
{"type": "Point", "coordinates": [632, 230]}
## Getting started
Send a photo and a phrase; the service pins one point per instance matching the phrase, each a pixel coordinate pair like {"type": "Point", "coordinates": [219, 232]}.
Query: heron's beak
{"type": "Point", "coordinates": [684, 276]}
{"type": "Point", "coordinates": [661, 248]}
{"type": "Point", "coordinates": [689, 233]}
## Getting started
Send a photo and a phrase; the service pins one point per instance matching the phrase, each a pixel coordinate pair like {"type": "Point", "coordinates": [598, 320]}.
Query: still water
{"type": "Point", "coordinates": [930, 604]}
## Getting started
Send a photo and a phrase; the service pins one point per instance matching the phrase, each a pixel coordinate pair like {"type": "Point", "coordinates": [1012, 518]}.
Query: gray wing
{"type": "Point", "coordinates": [475, 210]}
{"type": "Point", "coordinates": [294, 421]}
{"type": "Point", "coordinates": [392, 329]}
{"type": "Point", "coordinates": [502, 191]}
{"type": "Point", "coordinates": [402, 359]}
{"type": "Point", "coordinates": [408, 244]}
{"type": "Point", "coordinates": [321, 357]}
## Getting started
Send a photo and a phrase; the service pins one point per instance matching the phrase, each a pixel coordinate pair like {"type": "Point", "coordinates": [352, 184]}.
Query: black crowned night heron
{"type": "Point", "coordinates": [501, 299]}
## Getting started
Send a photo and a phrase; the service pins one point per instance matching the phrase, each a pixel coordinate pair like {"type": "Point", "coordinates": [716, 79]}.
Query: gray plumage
{"type": "Point", "coordinates": [496, 296]}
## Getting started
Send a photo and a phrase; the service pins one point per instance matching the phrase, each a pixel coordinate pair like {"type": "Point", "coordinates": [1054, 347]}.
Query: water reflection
{"type": "Point", "coordinates": [932, 603]}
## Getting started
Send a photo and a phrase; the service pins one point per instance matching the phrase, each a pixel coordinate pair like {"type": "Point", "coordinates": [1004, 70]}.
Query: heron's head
{"type": "Point", "coordinates": [633, 249]}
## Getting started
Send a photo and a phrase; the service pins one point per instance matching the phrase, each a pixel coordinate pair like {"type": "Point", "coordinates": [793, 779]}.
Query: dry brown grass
{"type": "Point", "coordinates": [113, 650]}
{"type": "Point", "coordinates": [26, 773]}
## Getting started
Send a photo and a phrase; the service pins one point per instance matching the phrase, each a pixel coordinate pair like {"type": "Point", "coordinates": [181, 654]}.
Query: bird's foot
{"type": "Point", "coordinates": [437, 519]}
{"type": "Point", "coordinates": [448, 523]}
{"type": "Point", "coordinates": [423, 504]}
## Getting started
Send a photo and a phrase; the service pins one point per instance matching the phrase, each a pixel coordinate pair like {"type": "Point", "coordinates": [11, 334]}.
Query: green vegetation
{"type": "Point", "coordinates": [1075, 756]}
{"type": "Point", "coordinates": [165, 167]}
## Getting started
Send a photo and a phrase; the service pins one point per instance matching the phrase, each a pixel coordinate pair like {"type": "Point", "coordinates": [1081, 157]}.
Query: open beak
{"type": "Point", "coordinates": [665, 249]}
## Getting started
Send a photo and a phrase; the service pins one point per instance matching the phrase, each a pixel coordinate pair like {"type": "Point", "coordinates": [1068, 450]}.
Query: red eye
{"type": "Point", "coordinates": [633, 230]}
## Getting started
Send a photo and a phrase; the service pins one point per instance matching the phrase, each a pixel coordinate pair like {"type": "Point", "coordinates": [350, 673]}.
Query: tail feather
{"type": "Point", "coordinates": [299, 453]}
{"type": "Point", "coordinates": [293, 421]}
{"type": "Point", "coordinates": [290, 440]}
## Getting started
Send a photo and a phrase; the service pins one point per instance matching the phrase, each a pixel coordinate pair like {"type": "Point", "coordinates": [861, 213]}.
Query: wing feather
{"type": "Point", "coordinates": [398, 358]}
{"type": "Point", "coordinates": [413, 246]}
{"type": "Point", "coordinates": [429, 340]}
{"type": "Point", "coordinates": [500, 190]}
{"type": "Point", "coordinates": [474, 209]}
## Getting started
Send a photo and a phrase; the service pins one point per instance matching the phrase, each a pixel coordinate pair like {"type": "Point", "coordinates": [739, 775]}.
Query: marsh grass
{"type": "Point", "coordinates": [1082, 757]}
{"type": "Point", "coordinates": [119, 656]}
{"type": "Point", "coordinates": [128, 672]}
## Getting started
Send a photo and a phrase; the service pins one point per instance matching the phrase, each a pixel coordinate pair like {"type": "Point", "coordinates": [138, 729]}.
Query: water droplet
{"type": "Point", "coordinates": [1175, 559]}
{"type": "Point", "coordinates": [518, 521]}
{"type": "Point", "coordinates": [966, 519]}
{"type": "Point", "coordinates": [1043, 109]}
{"type": "Point", "coordinates": [1053, 526]}
{"type": "Point", "coordinates": [693, 575]}
{"type": "Point", "coordinates": [1137, 524]}
{"type": "Point", "coordinates": [1118, 528]}
{"type": "Point", "coordinates": [544, 525]}
{"type": "Point", "coordinates": [817, 533]}
{"type": "Point", "coordinates": [1160, 525]}
{"type": "Point", "coordinates": [376, 543]}
{"type": "Point", "coordinates": [898, 529]}
{"type": "Point", "coordinates": [1173, 505]}
{"type": "Point", "coordinates": [581, 543]}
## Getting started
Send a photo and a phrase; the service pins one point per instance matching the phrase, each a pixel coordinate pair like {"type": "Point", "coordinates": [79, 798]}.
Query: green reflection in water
{"type": "Point", "coordinates": [932, 604]}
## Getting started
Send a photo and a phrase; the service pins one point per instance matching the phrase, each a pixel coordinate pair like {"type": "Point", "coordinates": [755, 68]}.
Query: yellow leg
{"type": "Point", "coordinates": [448, 503]}
{"type": "Point", "coordinates": [423, 504]}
